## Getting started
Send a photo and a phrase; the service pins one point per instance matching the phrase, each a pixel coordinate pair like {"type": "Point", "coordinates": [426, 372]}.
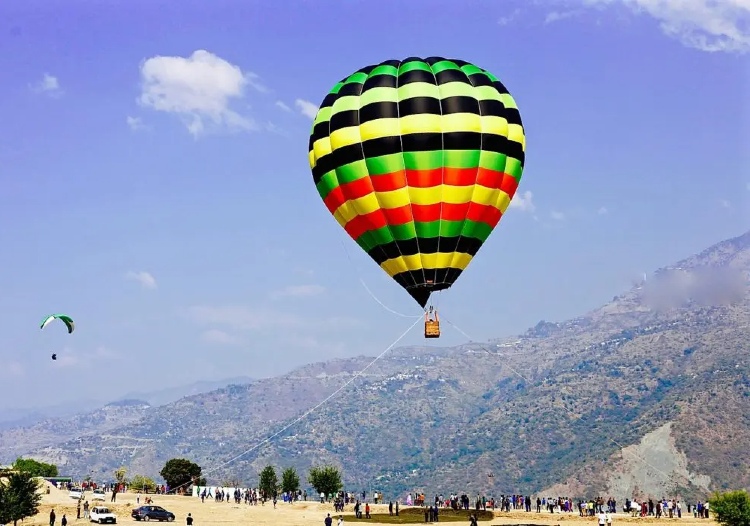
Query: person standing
{"type": "Point", "coordinates": [64, 521]}
{"type": "Point", "coordinates": [52, 517]}
{"type": "Point", "coordinates": [189, 520]}
{"type": "Point", "coordinates": [329, 520]}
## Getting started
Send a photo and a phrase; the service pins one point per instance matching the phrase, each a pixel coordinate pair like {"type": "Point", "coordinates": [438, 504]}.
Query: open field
{"type": "Point", "coordinates": [211, 513]}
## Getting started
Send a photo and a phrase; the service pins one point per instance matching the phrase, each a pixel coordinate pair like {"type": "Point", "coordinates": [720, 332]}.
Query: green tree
{"type": "Point", "coordinates": [19, 497]}
{"type": "Point", "coordinates": [269, 482]}
{"type": "Point", "coordinates": [325, 479]}
{"type": "Point", "coordinates": [731, 508]}
{"type": "Point", "coordinates": [179, 472]}
{"type": "Point", "coordinates": [35, 468]}
{"type": "Point", "coordinates": [121, 475]}
{"type": "Point", "coordinates": [142, 483]}
{"type": "Point", "coordinates": [289, 480]}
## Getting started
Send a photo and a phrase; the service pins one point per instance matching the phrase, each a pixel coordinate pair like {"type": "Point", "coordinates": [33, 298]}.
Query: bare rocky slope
{"type": "Point", "coordinates": [647, 395]}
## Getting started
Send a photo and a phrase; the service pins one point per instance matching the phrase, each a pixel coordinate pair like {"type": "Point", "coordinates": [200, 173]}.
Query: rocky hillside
{"type": "Point", "coordinates": [649, 394]}
{"type": "Point", "coordinates": [46, 426]}
{"type": "Point", "coordinates": [19, 440]}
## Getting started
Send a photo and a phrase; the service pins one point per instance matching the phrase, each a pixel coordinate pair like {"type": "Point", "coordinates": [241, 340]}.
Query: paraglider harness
{"type": "Point", "coordinates": [431, 324]}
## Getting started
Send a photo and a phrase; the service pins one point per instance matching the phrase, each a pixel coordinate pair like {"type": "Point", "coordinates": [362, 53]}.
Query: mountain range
{"type": "Point", "coordinates": [648, 395]}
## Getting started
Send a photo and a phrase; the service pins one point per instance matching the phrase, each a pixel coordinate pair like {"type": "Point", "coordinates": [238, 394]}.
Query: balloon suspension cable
{"type": "Point", "coordinates": [622, 448]}
{"type": "Point", "coordinates": [308, 412]}
{"type": "Point", "coordinates": [372, 294]}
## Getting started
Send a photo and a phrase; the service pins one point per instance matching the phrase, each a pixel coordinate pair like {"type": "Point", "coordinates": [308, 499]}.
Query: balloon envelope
{"type": "Point", "coordinates": [417, 160]}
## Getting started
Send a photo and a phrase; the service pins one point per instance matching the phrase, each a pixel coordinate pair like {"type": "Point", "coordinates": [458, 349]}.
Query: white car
{"type": "Point", "coordinates": [75, 493]}
{"type": "Point", "coordinates": [98, 495]}
{"type": "Point", "coordinates": [101, 514]}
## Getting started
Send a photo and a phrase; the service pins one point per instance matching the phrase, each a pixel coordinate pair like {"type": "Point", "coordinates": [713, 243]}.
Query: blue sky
{"type": "Point", "coordinates": [155, 185]}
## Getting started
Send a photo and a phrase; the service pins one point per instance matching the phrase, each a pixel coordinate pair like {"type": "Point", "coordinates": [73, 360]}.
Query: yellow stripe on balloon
{"type": "Point", "coordinates": [322, 147]}
{"type": "Point", "coordinates": [345, 137]}
{"type": "Point", "coordinates": [461, 122]}
{"type": "Point", "coordinates": [419, 262]}
{"type": "Point", "coordinates": [378, 128]}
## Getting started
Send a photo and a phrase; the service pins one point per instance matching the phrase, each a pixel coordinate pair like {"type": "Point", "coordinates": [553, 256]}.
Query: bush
{"type": "Point", "coordinates": [731, 508]}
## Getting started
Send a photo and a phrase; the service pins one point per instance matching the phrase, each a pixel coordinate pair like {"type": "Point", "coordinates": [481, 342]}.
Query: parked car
{"type": "Point", "coordinates": [150, 512]}
{"type": "Point", "coordinates": [102, 515]}
{"type": "Point", "coordinates": [98, 495]}
{"type": "Point", "coordinates": [75, 493]}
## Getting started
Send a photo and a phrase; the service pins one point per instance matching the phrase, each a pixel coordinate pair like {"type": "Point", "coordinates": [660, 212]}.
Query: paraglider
{"type": "Point", "coordinates": [54, 356]}
{"type": "Point", "coordinates": [418, 159]}
{"type": "Point", "coordinates": [67, 320]}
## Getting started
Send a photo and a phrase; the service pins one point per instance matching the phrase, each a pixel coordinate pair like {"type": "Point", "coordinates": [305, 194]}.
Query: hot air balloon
{"type": "Point", "coordinates": [417, 160]}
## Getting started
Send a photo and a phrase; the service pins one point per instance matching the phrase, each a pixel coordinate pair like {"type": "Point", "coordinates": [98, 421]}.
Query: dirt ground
{"type": "Point", "coordinates": [210, 513]}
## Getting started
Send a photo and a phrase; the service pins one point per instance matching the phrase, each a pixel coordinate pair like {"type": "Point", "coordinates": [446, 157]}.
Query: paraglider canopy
{"type": "Point", "coordinates": [67, 320]}
{"type": "Point", "coordinates": [54, 357]}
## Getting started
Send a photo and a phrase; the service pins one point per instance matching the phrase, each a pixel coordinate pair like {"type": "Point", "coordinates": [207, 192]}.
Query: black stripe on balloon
{"type": "Point", "coordinates": [451, 75]}
{"type": "Point", "coordinates": [417, 106]}
{"type": "Point", "coordinates": [416, 75]}
{"type": "Point", "coordinates": [350, 89]}
{"type": "Point", "coordinates": [480, 79]}
{"type": "Point", "coordinates": [344, 119]}
{"type": "Point", "coordinates": [367, 69]}
{"type": "Point", "coordinates": [329, 100]}
{"type": "Point", "coordinates": [407, 60]}
{"type": "Point", "coordinates": [417, 142]}
{"type": "Point", "coordinates": [425, 245]}
{"type": "Point", "coordinates": [394, 63]}
{"type": "Point", "coordinates": [442, 278]}
{"type": "Point", "coordinates": [462, 105]}
{"type": "Point", "coordinates": [378, 110]}
{"type": "Point", "coordinates": [384, 80]}
{"type": "Point", "coordinates": [320, 131]}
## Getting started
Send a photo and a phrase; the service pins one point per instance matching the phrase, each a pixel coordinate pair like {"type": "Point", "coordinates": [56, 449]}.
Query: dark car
{"type": "Point", "coordinates": [148, 513]}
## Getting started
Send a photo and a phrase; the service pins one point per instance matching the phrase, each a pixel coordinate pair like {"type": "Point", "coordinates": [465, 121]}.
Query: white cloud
{"type": "Point", "coordinates": [708, 25]}
{"type": "Point", "coordinates": [602, 211]}
{"type": "Point", "coordinates": [523, 201]}
{"type": "Point", "coordinates": [510, 17]}
{"type": "Point", "coordinates": [218, 337]}
{"type": "Point", "coordinates": [298, 291]}
{"type": "Point", "coordinates": [199, 89]}
{"type": "Point", "coordinates": [283, 106]}
{"type": "Point", "coordinates": [48, 85]}
{"type": "Point", "coordinates": [724, 203]}
{"type": "Point", "coordinates": [134, 123]}
{"type": "Point", "coordinates": [556, 16]}
{"type": "Point", "coordinates": [557, 216]}
{"type": "Point", "coordinates": [307, 108]}
{"type": "Point", "coordinates": [146, 280]}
